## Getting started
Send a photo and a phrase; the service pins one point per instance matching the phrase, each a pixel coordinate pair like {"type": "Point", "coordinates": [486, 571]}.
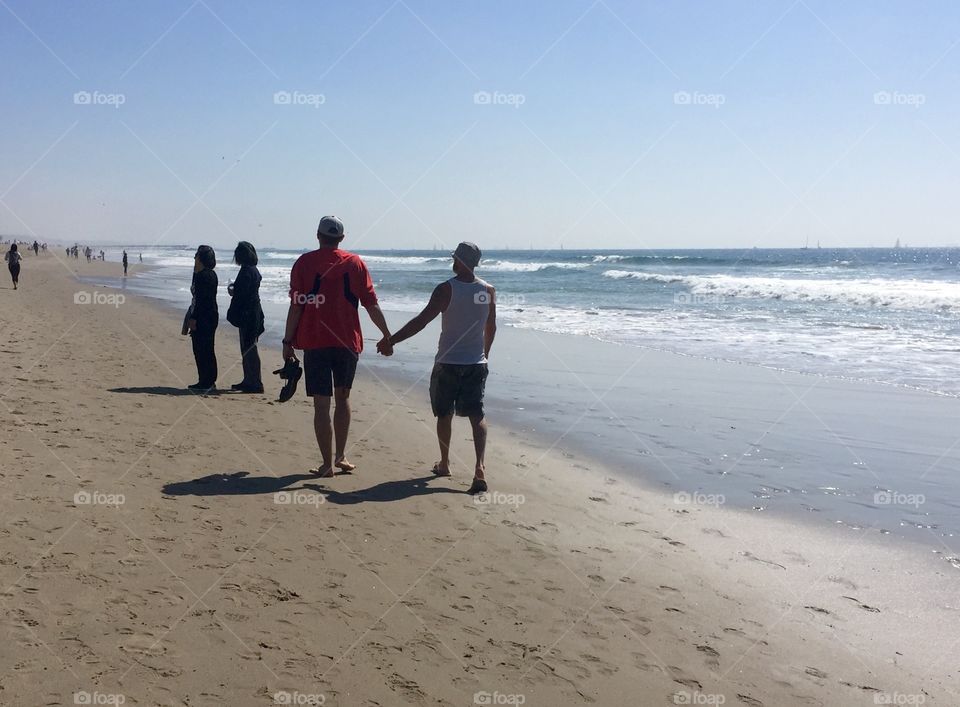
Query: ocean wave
{"type": "Point", "coordinates": [893, 294]}
{"type": "Point", "coordinates": [644, 276]}
{"type": "Point", "coordinates": [403, 259]}
{"type": "Point", "coordinates": [510, 266]}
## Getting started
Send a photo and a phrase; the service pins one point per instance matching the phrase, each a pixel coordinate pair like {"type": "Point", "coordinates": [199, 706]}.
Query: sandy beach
{"type": "Point", "coordinates": [164, 548]}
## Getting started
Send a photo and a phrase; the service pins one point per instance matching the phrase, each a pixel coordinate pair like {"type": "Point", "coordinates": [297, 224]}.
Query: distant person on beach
{"type": "Point", "coordinates": [468, 326]}
{"type": "Point", "coordinates": [124, 263]}
{"type": "Point", "coordinates": [206, 317]}
{"type": "Point", "coordinates": [141, 257]}
{"type": "Point", "coordinates": [246, 314]}
{"type": "Point", "coordinates": [13, 259]}
{"type": "Point", "coordinates": [36, 248]}
{"type": "Point", "coordinates": [327, 287]}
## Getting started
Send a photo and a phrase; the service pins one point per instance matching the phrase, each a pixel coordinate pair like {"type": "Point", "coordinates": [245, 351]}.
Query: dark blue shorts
{"type": "Point", "coordinates": [328, 368]}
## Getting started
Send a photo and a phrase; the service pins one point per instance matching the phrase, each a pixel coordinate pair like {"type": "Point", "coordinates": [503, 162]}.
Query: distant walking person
{"type": "Point", "coordinates": [327, 287]}
{"type": "Point", "coordinates": [468, 326]}
{"type": "Point", "coordinates": [13, 259]}
{"type": "Point", "coordinates": [206, 317]}
{"type": "Point", "coordinates": [246, 314]}
{"type": "Point", "coordinates": [124, 263]}
{"type": "Point", "coordinates": [36, 248]}
{"type": "Point", "coordinates": [141, 257]}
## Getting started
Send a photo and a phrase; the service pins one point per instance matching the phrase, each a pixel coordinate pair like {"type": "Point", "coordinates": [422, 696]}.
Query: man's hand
{"type": "Point", "coordinates": [288, 352]}
{"type": "Point", "coordinates": [384, 347]}
{"type": "Point", "coordinates": [192, 325]}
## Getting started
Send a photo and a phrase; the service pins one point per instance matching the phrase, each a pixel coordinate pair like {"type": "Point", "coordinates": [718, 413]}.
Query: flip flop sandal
{"type": "Point", "coordinates": [291, 373]}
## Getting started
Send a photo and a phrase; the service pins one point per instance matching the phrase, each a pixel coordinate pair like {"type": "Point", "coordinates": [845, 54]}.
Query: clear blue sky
{"type": "Point", "coordinates": [782, 136]}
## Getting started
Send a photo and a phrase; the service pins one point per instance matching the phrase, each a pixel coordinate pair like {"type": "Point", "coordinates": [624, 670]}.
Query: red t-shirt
{"type": "Point", "coordinates": [331, 284]}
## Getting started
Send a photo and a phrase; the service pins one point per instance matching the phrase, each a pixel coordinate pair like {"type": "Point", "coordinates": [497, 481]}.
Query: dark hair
{"type": "Point", "coordinates": [13, 248]}
{"type": "Point", "coordinates": [245, 254]}
{"type": "Point", "coordinates": [207, 257]}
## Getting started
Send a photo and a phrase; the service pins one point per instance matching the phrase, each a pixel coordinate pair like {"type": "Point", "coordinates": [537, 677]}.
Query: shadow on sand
{"type": "Point", "coordinates": [241, 483]}
{"type": "Point", "coordinates": [162, 390]}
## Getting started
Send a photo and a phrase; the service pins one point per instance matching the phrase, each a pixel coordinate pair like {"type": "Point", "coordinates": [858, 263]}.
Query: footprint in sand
{"type": "Point", "coordinates": [712, 656]}
{"type": "Point", "coordinates": [863, 606]}
{"type": "Point", "coordinates": [747, 700]}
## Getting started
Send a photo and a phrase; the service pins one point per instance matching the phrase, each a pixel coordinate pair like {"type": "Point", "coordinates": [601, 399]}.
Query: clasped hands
{"type": "Point", "coordinates": [385, 347]}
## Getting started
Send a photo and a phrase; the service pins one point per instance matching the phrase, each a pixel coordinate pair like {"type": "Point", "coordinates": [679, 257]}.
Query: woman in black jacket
{"type": "Point", "coordinates": [246, 314]}
{"type": "Point", "coordinates": [206, 316]}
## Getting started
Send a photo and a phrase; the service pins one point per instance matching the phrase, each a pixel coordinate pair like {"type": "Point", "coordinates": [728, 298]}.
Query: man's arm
{"type": "Point", "coordinates": [490, 330]}
{"type": "Point", "coordinates": [439, 301]}
{"type": "Point", "coordinates": [376, 316]}
{"type": "Point", "coordinates": [293, 322]}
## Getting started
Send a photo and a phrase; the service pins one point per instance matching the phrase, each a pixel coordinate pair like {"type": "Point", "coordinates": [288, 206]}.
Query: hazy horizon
{"type": "Point", "coordinates": [655, 126]}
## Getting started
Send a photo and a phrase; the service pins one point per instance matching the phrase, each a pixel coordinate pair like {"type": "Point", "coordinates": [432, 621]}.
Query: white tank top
{"type": "Point", "coordinates": [463, 322]}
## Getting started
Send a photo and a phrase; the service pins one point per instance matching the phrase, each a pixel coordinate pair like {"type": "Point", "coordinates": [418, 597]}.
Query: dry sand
{"type": "Point", "coordinates": [386, 586]}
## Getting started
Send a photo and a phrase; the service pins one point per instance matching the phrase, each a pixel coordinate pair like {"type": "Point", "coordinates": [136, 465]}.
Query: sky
{"type": "Point", "coordinates": [586, 123]}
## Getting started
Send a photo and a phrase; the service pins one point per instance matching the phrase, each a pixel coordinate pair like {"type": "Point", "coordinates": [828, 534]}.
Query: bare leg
{"type": "Point", "coordinates": [341, 426]}
{"type": "Point", "coordinates": [324, 432]}
{"type": "Point", "coordinates": [479, 424]}
{"type": "Point", "coordinates": [444, 432]}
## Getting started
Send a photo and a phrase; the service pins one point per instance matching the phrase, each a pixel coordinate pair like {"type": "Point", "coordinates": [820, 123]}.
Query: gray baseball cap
{"type": "Point", "coordinates": [330, 226]}
{"type": "Point", "coordinates": [468, 253]}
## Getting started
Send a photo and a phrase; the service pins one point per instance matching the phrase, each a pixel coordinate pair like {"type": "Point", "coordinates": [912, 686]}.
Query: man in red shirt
{"type": "Point", "coordinates": [327, 287]}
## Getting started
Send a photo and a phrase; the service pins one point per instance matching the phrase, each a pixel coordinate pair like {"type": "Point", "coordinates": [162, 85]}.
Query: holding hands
{"type": "Point", "coordinates": [385, 346]}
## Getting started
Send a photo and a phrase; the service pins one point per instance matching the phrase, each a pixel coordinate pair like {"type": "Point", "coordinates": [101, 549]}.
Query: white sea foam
{"type": "Point", "coordinates": [895, 294]}
{"type": "Point", "coordinates": [510, 266]}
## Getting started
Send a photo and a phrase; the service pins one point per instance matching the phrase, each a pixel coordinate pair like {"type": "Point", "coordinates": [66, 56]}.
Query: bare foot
{"type": "Point", "coordinates": [324, 471]}
{"type": "Point", "coordinates": [344, 465]}
{"type": "Point", "coordinates": [440, 469]}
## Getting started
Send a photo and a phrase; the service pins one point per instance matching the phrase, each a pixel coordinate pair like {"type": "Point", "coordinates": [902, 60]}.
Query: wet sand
{"type": "Point", "coordinates": [145, 553]}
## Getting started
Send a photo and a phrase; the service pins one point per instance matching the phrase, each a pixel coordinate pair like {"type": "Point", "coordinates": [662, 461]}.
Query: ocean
{"type": "Point", "coordinates": [881, 315]}
{"type": "Point", "coordinates": [816, 382]}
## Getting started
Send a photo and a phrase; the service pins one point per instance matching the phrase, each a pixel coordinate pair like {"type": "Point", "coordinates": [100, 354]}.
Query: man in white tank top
{"type": "Point", "coordinates": [468, 326]}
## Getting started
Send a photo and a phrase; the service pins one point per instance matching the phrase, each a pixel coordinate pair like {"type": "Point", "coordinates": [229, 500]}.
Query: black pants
{"type": "Point", "coordinates": [251, 357]}
{"type": "Point", "coordinates": [205, 356]}
{"type": "Point", "coordinates": [14, 272]}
